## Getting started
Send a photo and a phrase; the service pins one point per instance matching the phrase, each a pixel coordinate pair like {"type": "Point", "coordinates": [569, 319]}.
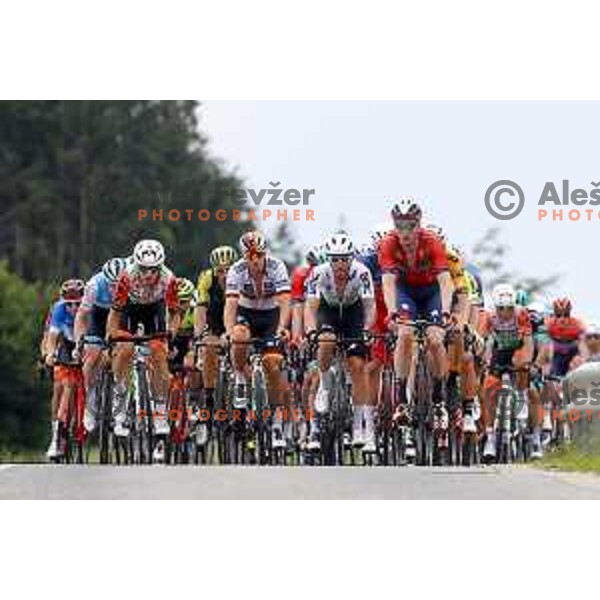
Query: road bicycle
{"type": "Point", "coordinates": [336, 423]}
{"type": "Point", "coordinates": [72, 434]}
{"type": "Point", "coordinates": [431, 445]}
{"type": "Point", "coordinates": [138, 404]}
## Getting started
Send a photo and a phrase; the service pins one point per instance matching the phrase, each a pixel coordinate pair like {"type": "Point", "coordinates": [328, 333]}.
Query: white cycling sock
{"type": "Point", "coordinates": [277, 417]}
{"type": "Point", "coordinates": [368, 412]}
{"type": "Point", "coordinates": [358, 416]}
{"type": "Point", "coordinates": [240, 378]}
{"type": "Point", "coordinates": [325, 381]}
{"type": "Point", "coordinates": [91, 399]}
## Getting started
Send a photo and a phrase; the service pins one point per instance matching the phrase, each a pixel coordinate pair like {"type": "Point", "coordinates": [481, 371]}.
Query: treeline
{"type": "Point", "coordinates": [73, 176]}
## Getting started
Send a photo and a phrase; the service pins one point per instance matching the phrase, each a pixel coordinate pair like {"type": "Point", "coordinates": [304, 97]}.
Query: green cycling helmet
{"type": "Point", "coordinates": [522, 298]}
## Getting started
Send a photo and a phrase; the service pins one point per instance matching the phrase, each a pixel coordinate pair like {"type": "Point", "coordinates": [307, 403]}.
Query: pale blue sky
{"type": "Point", "coordinates": [360, 155]}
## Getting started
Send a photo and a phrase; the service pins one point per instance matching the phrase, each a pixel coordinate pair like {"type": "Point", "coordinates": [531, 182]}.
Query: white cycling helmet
{"type": "Point", "coordinates": [314, 255]}
{"type": "Point", "coordinates": [406, 209]}
{"type": "Point", "coordinates": [112, 268]}
{"type": "Point", "coordinates": [593, 328]}
{"type": "Point", "coordinates": [504, 296]}
{"type": "Point", "coordinates": [338, 244]}
{"type": "Point", "coordinates": [149, 253]}
{"type": "Point", "coordinates": [253, 242]}
{"type": "Point", "coordinates": [537, 307]}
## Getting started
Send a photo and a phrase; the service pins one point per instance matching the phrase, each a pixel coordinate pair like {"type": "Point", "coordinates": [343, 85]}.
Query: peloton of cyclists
{"type": "Point", "coordinates": [406, 272]}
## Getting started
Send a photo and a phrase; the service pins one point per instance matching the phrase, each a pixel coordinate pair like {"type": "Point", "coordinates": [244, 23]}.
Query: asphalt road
{"type": "Point", "coordinates": [159, 482]}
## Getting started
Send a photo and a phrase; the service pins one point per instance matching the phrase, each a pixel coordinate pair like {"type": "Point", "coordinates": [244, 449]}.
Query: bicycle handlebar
{"type": "Point", "coordinates": [137, 339]}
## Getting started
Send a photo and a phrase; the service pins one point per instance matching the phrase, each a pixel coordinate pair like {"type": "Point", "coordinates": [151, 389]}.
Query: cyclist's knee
{"type": "Point", "coordinates": [188, 361]}
{"type": "Point", "coordinates": [240, 333]}
{"type": "Point", "coordinates": [123, 352]}
{"type": "Point", "coordinates": [405, 336]}
{"type": "Point", "coordinates": [272, 361]}
{"type": "Point", "coordinates": [435, 337]}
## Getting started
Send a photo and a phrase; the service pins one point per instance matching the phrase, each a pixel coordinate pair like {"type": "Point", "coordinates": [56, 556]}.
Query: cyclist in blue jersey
{"type": "Point", "coordinates": [91, 323]}
{"type": "Point", "coordinates": [59, 347]}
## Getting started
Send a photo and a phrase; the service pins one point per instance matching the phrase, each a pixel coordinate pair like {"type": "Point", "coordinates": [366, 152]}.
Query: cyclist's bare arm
{"type": "Point", "coordinates": [82, 321]}
{"type": "Point", "coordinates": [44, 344]}
{"type": "Point", "coordinates": [298, 320]}
{"type": "Point", "coordinates": [463, 307]}
{"type": "Point", "coordinates": [388, 282]}
{"type": "Point", "coordinates": [113, 322]}
{"type": "Point", "coordinates": [310, 314]}
{"type": "Point", "coordinates": [199, 319]}
{"type": "Point", "coordinates": [283, 302]}
{"type": "Point", "coordinates": [544, 357]}
{"type": "Point", "coordinates": [52, 343]}
{"type": "Point", "coordinates": [446, 290]}
{"type": "Point", "coordinates": [174, 317]}
{"type": "Point", "coordinates": [528, 347]}
{"type": "Point", "coordinates": [230, 313]}
{"type": "Point", "coordinates": [368, 312]}
{"type": "Point", "coordinates": [489, 348]}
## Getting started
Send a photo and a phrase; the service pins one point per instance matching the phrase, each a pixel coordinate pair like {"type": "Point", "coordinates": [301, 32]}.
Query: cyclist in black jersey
{"type": "Point", "coordinates": [208, 318]}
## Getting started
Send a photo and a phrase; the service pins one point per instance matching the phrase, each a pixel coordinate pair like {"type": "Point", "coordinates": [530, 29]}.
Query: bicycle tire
{"type": "Point", "coordinates": [385, 424]}
{"type": "Point", "coordinates": [148, 425]}
{"type": "Point", "coordinates": [259, 403]}
{"type": "Point", "coordinates": [424, 432]}
{"type": "Point", "coordinates": [104, 412]}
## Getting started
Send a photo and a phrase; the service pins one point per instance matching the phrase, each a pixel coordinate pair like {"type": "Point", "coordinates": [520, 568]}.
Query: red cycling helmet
{"type": "Point", "coordinates": [72, 289]}
{"type": "Point", "coordinates": [253, 242]}
{"type": "Point", "coordinates": [562, 307]}
{"type": "Point", "coordinates": [406, 209]}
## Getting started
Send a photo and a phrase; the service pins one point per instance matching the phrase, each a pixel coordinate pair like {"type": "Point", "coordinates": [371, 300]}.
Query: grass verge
{"type": "Point", "coordinates": [573, 458]}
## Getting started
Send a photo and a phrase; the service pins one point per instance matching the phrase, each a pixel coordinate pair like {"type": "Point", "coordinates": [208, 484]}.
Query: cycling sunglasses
{"type": "Point", "coordinates": [340, 259]}
{"type": "Point", "coordinates": [148, 270]}
{"type": "Point", "coordinates": [592, 337]}
{"type": "Point", "coordinates": [406, 225]}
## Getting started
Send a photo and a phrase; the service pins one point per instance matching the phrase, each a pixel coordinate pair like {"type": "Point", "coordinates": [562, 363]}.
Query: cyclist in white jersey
{"type": "Point", "coordinates": [341, 303]}
{"type": "Point", "coordinates": [257, 305]}
{"type": "Point", "coordinates": [591, 346]}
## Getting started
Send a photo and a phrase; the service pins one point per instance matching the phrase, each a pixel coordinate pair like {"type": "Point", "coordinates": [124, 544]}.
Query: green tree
{"type": "Point", "coordinates": [24, 401]}
{"type": "Point", "coordinates": [73, 176]}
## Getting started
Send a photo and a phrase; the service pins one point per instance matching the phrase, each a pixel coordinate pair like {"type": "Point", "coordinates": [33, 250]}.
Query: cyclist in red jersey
{"type": "Point", "coordinates": [145, 295]}
{"type": "Point", "coordinates": [416, 285]}
{"type": "Point", "coordinates": [566, 338]}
